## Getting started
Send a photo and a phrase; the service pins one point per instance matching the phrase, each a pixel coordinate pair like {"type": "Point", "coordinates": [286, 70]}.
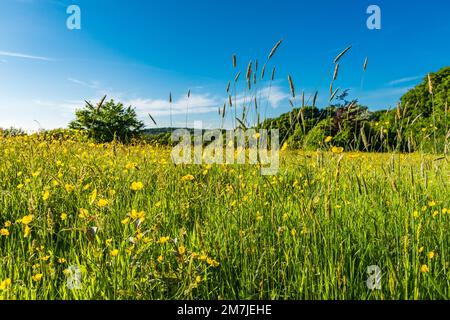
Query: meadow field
{"type": "Point", "coordinates": [131, 225]}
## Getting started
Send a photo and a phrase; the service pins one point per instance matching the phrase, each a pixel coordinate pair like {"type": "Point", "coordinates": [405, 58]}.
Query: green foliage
{"type": "Point", "coordinates": [108, 121]}
{"type": "Point", "coordinates": [419, 101]}
{"type": "Point", "coordinates": [12, 132]}
{"type": "Point", "coordinates": [420, 122]}
{"type": "Point", "coordinates": [62, 135]}
{"type": "Point", "coordinates": [316, 136]}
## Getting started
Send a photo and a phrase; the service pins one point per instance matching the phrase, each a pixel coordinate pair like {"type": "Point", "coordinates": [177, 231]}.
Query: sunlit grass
{"type": "Point", "coordinates": [139, 227]}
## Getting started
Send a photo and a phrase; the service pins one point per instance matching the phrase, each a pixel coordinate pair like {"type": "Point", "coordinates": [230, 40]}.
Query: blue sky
{"type": "Point", "coordinates": [138, 51]}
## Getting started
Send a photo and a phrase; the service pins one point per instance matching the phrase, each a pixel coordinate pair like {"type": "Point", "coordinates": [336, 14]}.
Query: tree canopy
{"type": "Point", "coordinates": [108, 121]}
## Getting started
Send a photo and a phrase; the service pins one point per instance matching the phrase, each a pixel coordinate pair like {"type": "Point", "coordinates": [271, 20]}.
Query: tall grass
{"type": "Point", "coordinates": [310, 232]}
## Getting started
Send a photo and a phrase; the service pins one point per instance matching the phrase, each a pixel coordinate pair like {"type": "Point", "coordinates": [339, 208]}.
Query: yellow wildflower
{"type": "Point", "coordinates": [212, 262]}
{"type": "Point", "coordinates": [69, 188]}
{"type": "Point", "coordinates": [134, 214]}
{"type": "Point", "coordinates": [337, 150]}
{"type": "Point", "coordinates": [424, 269]}
{"type": "Point", "coordinates": [63, 216]}
{"type": "Point", "coordinates": [37, 277]}
{"type": "Point", "coordinates": [86, 187]}
{"type": "Point", "coordinates": [27, 231]}
{"type": "Point", "coordinates": [84, 214]}
{"type": "Point", "coordinates": [45, 195]}
{"type": "Point", "coordinates": [182, 250]}
{"type": "Point", "coordinates": [188, 177]}
{"type": "Point", "coordinates": [328, 139]}
{"type": "Point", "coordinates": [4, 232]}
{"type": "Point", "coordinates": [27, 219]}
{"type": "Point", "coordinates": [102, 203]}
{"type": "Point", "coordinates": [136, 186]}
{"type": "Point", "coordinates": [163, 240]}
{"type": "Point", "coordinates": [160, 259]}
{"type": "Point", "coordinates": [431, 254]}
{"type": "Point", "coordinates": [5, 284]}
{"type": "Point", "coordinates": [130, 165]}
{"type": "Point", "coordinates": [114, 253]}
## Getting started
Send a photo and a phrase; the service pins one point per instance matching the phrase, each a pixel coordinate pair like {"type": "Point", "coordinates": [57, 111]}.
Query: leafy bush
{"type": "Point", "coordinates": [108, 122]}
{"type": "Point", "coordinates": [12, 132]}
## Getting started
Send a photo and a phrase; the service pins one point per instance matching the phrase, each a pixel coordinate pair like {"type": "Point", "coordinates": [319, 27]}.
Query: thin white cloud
{"type": "Point", "coordinates": [274, 95]}
{"type": "Point", "coordinates": [90, 84]}
{"type": "Point", "coordinates": [23, 56]}
{"type": "Point", "coordinates": [203, 103]}
{"type": "Point", "coordinates": [404, 80]}
{"type": "Point", "coordinates": [64, 106]}
{"type": "Point", "coordinates": [198, 103]}
{"type": "Point", "coordinates": [385, 93]}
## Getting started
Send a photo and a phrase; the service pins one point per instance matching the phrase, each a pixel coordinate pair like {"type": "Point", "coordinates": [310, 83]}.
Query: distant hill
{"type": "Point", "coordinates": [158, 131]}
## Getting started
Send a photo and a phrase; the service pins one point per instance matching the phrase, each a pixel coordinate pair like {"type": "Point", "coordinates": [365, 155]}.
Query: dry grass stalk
{"type": "Point", "coordinates": [336, 72]}
{"type": "Point", "coordinates": [291, 86]}
{"type": "Point", "coordinates": [315, 99]}
{"type": "Point", "coordinates": [334, 94]}
{"type": "Point", "coordinates": [249, 71]}
{"type": "Point", "coordinates": [237, 76]}
{"type": "Point", "coordinates": [430, 84]}
{"type": "Point", "coordinates": [274, 50]}
{"type": "Point", "coordinates": [340, 55]}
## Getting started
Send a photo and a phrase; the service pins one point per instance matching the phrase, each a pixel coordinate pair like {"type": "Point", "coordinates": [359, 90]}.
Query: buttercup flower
{"type": "Point", "coordinates": [136, 186]}
{"type": "Point", "coordinates": [37, 277]}
{"type": "Point", "coordinates": [424, 269]}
